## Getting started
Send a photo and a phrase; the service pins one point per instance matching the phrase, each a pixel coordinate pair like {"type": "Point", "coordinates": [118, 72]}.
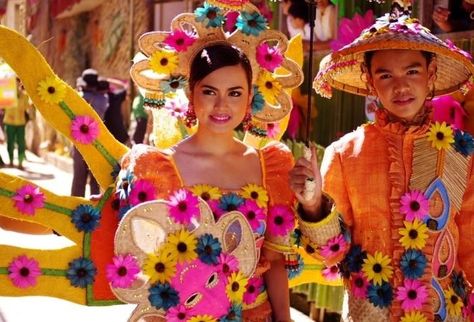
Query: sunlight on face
{"type": "Point", "coordinates": [221, 99]}
{"type": "Point", "coordinates": [402, 80]}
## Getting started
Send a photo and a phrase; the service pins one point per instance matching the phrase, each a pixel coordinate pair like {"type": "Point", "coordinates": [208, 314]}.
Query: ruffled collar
{"type": "Point", "coordinates": [389, 122]}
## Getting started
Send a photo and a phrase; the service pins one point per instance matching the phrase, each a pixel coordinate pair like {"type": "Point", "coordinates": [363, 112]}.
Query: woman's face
{"type": "Point", "coordinates": [402, 80]}
{"type": "Point", "coordinates": [322, 3]}
{"type": "Point", "coordinates": [221, 99]}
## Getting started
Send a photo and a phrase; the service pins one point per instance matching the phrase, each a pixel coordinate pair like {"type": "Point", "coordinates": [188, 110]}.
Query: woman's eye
{"type": "Point", "coordinates": [208, 92]}
{"type": "Point", "coordinates": [212, 280]}
{"type": "Point", "coordinates": [235, 94]}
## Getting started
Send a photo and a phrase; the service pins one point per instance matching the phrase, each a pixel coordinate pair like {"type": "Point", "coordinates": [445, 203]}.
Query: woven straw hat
{"type": "Point", "coordinates": [342, 69]}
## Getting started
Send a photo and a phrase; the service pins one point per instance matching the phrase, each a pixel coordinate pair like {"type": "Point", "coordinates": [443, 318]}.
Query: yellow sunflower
{"type": "Point", "coordinates": [202, 318]}
{"type": "Point", "coordinates": [413, 316]}
{"type": "Point", "coordinates": [440, 135]}
{"type": "Point", "coordinates": [163, 61]}
{"type": "Point", "coordinates": [235, 288]}
{"type": "Point", "coordinates": [377, 268]}
{"type": "Point", "coordinates": [161, 267]}
{"type": "Point", "coordinates": [182, 246]}
{"type": "Point", "coordinates": [454, 303]}
{"type": "Point", "coordinates": [206, 192]}
{"type": "Point", "coordinates": [51, 90]}
{"type": "Point", "coordinates": [269, 87]}
{"type": "Point", "coordinates": [257, 193]}
{"type": "Point", "coordinates": [414, 234]}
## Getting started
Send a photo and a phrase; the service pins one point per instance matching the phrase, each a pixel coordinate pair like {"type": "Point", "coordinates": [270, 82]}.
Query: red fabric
{"type": "Point", "coordinates": [3, 7]}
{"type": "Point", "coordinates": [58, 6]}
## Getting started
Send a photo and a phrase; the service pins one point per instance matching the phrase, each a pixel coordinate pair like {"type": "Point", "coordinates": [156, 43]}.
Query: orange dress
{"type": "Point", "coordinates": [156, 167]}
{"type": "Point", "coordinates": [408, 208]}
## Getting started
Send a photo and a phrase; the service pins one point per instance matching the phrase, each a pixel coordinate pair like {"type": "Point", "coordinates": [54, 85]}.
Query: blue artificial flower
{"type": "Point", "coordinates": [413, 263]}
{"type": "Point", "coordinates": [251, 23]}
{"type": "Point", "coordinates": [463, 143]}
{"type": "Point", "coordinates": [163, 296]}
{"type": "Point", "coordinates": [85, 218]}
{"type": "Point", "coordinates": [123, 210]}
{"type": "Point", "coordinates": [208, 248]}
{"type": "Point", "coordinates": [295, 271]}
{"type": "Point", "coordinates": [115, 171]}
{"type": "Point", "coordinates": [459, 284]}
{"type": "Point", "coordinates": [380, 295]}
{"type": "Point", "coordinates": [235, 314]}
{"type": "Point", "coordinates": [124, 185]}
{"type": "Point", "coordinates": [355, 258]}
{"type": "Point", "coordinates": [209, 15]}
{"type": "Point", "coordinates": [81, 272]}
{"type": "Point", "coordinates": [258, 102]}
{"type": "Point", "coordinates": [230, 201]}
{"type": "Point", "coordinates": [173, 84]}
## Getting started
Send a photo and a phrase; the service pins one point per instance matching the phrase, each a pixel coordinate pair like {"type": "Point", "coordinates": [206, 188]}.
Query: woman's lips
{"type": "Point", "coordinates": [220, 118]}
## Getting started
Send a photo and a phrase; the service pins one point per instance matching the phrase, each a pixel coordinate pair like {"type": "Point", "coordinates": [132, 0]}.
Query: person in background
{"type": "Point", "coordinates": [298, 18]}
{"type": "Point", "coordinates": [100, 103]}
{"type": "Point", "coordinates": [454, 15]}
{"type": "Point", "coordinates": [325, 27]}
{"type": "Point", "coordinates": [113, 118]}
{"type": "Point", "coordinates": [141, 117]}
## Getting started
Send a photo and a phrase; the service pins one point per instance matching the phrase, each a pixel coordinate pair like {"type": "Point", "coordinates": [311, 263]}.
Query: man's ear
{"type": "Point", "coordinates": [432, 69]}
{"type": "Point", "coordinates": [367, 79]}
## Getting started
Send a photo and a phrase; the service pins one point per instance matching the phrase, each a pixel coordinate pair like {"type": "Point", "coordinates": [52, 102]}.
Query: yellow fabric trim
{"type": "Point", "coordinates": [277, 248]}
{"type": "Point", "coordinates": [321, 223]}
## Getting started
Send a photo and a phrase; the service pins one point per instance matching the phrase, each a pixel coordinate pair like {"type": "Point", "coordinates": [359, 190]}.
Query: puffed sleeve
{"type": "Point", "coordinates": [465, 222]}
{"type": "Point", "coordinates": [277, 161]}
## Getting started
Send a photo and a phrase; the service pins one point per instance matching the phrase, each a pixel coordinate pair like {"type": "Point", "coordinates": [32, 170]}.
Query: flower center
{"type": "Point", "coordinates": [28, 198]}
{"type": "Point", "coordinates": [84, 129]}
{"type": "Point", "coordinates": [413, 234]}
{"type": "Point", "coordinates": [268, 57]}
{"type": "Point", "coordinates": [225, 268]}
{"type": "Point", "coordinates": [252, 23]}
{"type": "Point", "coordinates": [411, 294]}
{"type": "Point", "coordinates": [24, 271]}
{"type": "Point", "coordinates": [278, 220]}
{"type": "Point", "coordinates": [231, 207]}
{"type": "Point", "coordinates": [81, 272]}
{"type": "Point", "coordinates": [182, 247]}
{"type": "Point", "coordinates": [179, 41]}
{"type": "Point", "coordinates": [414, 205]}
{"type": "Point", "coordinates": [269, 85]}
{"type": "Point", "coordinates": [86, 218]}
{"type": "Point", "coordinates": [380, 292]}
{"type": "Point", "coordinates": [122, 271]}
{"type": "Point", "coordinates": [142, 196]}
{"type": "Point", "coordinates": [377, 268]}
{"type": "Point", "coordinates": [235, 286]}
{"type": "Point", "coordinates": [440, 136]}
{"type": "Point", "coordinates": [51, 90]}
{"type": "Point", "coordinates": [254, 194]}
{"type": "Point", "coordinates": [251, 289]}
{"type": "Point", "coordinates": [116, 204]}
{"type": "Point", "coordinates": [174, 84]}
{"type": "Point", "coordinates": [160, 267]}
{"type": "Point", "coordinates": [334, 269]}
{"type": "Point", "coordinates": [413, 263]}
{"type": "Point", "coordinates": [454, 299]}
{"type": "Point", "coordinates": [182, 206]}
{"type": "Point", "coordinates": [309, 249]}
{"type": "Point", "coordinates": [164, 61]}
{"type": "Point", "coordinates": [181, 315]}
{"type": "Point", "coordinates": [359, 282]}
{"type": "Point", "coordinates": [164, 295]}
{"type": "Point", "coordinates": [334, 248]}
{"type": "Point", "coordinates": [205, 196]}
{"type": "Point", "coordinates": [125, 185]}
{"type": "Point", "coordinates": [251, 215]}
{"type": "Point", "coordinates": [208, 250]}
{"type": "Point", "coordinates": [231, 315]}
{"type": "Point", "coordinates": [211, 14]}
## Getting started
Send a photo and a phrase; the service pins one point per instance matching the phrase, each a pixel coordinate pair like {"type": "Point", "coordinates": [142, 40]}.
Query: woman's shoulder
{"type": "Point", "coordinates": [142, 155]}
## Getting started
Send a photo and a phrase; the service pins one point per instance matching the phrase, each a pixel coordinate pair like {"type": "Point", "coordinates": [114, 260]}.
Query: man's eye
{"type": "Point", "coordinates": [412, 72]}
{"type": "Point", "coordinates": [385, 76]}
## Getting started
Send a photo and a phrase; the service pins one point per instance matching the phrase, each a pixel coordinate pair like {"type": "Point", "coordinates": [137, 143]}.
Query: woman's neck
{"type": "Point", "coordinates": [213, 144]}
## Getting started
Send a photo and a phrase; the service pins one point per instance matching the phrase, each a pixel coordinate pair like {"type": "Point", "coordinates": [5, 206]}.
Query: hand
{"type": "Point", "coordinates": [303, 170]}
{"type": "Point", "coordinates": [440, 17]}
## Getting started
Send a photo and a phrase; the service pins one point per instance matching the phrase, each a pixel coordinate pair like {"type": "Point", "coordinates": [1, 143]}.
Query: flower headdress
{"type": "Point", "coordinates": [166, 56]}
{"type": "Point", "coordinates": [342, 69]}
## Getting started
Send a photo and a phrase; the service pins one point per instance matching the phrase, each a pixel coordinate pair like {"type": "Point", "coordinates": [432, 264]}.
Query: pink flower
{"type": "Point", "coordinates": [227, 264]}
{"type": "Point", "coordinates": [142, 190]}
{"type": "Point", "coordinates": [84, 129]}
{"type": "Point", "coordinates": [281, 220]}
{"type": "Point", "coordinates": [123, 272]}
{"type": "Point", "coordinates": [183, 206]}
{"type": "Point", "coordinates": [468, 309]}
{"type": "Point", "coordinates": [414, 205]}
{"type": "Point", "coordinates": [253, 213]}
{"type": "Point", "coordinates": [269, 57]}
{"type": "Point", "coordinates": [28, 198]}
{"type": "Point", "coordinates": [412, 294]}
{"type": "Point", "coordinates": [216, 210]}
{"type": "Point", "coordinates": [177, 107]}
{"type": "Point", "coordinates": [453, 47]}
{"type": "Point", "coordinates": [180, 40]}
{"type": "Point", "coordinates": [272, 130]}
{"type": "Point", "coordinates": [331, 273]}
{"type": "Point", "coordinates": [254, 286]}
{"type": "Point", "coordinates": [359, 285]}
{"type": "Point", "coordinates": [230, 20]}
{"type": "Point", "coordinates": [23, 271]}
{"type": "Point", "coordinates": [177, 313]}
{"type": "Point", "coordinates": [350, 29]}
{"type": "Point", "coordinates": [334, 247]}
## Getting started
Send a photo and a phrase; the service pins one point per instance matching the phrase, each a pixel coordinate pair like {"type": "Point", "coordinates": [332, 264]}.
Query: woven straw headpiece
{"type": "Point", "coordinates": [167, 56]}
{"type": "Point", "coordinates": [342, 69]}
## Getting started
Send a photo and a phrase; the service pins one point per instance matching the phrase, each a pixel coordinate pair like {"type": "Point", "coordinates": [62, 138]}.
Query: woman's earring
{"type": "Point", "coordinates": [190, 118]}
{"type": "Point", "coordinates": [247, 121]}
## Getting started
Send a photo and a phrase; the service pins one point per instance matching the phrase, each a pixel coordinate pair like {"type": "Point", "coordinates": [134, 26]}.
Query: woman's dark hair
{"type": "Point", "coordinates": [299, 10]}
{"type": "Point", "coordinates": [370, 54]}
{"type": "Point", "coordinates": [215, 57]}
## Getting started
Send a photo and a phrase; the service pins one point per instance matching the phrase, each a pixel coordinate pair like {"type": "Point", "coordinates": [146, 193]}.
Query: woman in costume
{"type": "Point", "coordinates": [399, 225]}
